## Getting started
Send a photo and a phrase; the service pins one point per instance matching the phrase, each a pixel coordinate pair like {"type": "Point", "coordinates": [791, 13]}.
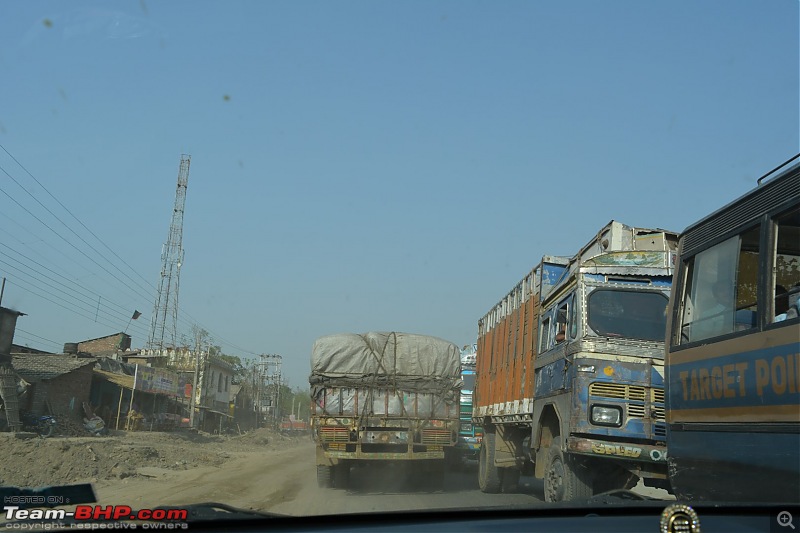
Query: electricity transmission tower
{"type": "Point", "coordinates": [164, 326]}
{"type": "Point", "coordinates": [267, 384]}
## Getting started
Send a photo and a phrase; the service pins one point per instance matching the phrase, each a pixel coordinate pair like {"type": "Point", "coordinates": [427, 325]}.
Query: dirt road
{"type": "Point", "coordinates": [262, 471]}
{"type": "Point", "coordinates": [284, 481]}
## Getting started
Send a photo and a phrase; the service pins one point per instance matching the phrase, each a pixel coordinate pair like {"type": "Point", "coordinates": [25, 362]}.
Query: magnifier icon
{"type": "Point", "coordinates": [785, 519]}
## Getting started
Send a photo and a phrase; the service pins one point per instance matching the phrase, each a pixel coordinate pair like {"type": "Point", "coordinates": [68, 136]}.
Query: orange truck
{"type": "Point", "coordinates": [570, 370]}
{"type": "Point", "coordinates": [292, 425]}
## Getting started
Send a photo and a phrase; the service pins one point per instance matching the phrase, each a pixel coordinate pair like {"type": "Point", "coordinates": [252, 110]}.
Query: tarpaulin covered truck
{"type": "Point", "coordinates": [383, 396]}
{"type": "Point", "coordinates": [570, 369]}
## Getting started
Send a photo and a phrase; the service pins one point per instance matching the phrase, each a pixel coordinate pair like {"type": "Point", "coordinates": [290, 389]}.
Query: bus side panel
{"type": "Point", "coordinates": [712, 458]}
{"type": "Point", "coordinates": [734, 419]}
{"type": "Point", "coordinates": [748, 384]}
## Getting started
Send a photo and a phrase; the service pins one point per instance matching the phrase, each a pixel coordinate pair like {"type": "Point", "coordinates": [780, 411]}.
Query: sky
{"type": "Point", "coordinates": [358, 165]}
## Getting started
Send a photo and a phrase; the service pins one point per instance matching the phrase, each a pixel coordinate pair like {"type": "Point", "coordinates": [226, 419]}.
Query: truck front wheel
{"type": "Point", "coordinates": [324, 476]}
{"type": "Point", "coordinates": [565, 479]}
{"type": "Point", "coordinates": [489, 478]}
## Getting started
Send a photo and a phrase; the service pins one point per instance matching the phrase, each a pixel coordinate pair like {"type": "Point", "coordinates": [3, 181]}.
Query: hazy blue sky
{"type": "Point", "coordinates": [363, 166]}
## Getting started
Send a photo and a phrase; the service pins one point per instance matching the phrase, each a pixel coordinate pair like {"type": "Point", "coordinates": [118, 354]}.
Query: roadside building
{"type": "Point", "coordinates": [214, 394]}
{"type": "Point", "coordinates": [214, 381]}
{"type": "Point", "coordinates": [108, 346]}
{"type": "Point", "coordinates": [59, 383]}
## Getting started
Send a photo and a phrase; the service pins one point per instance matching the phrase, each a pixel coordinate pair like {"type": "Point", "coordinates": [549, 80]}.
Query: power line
{"type": "Point", "coordinates": [58, 287]}
{"type": "Point", "coordinates": [64, 238]}
{"type": "Point", "coordinates": [38, 238]}
{"type": "Point", "coordinates": [29, 334]}
{"type": "Point", "coordinates": [75, 217]}
{"type": "Point", "coordinates": [124, 309]}
{"type": "Point", "coordinates": [66, 226]}
{"type": "Point", "coordinates": [24, 286]}
{"type": "Point", "coordinates": [229, 343]}
{"type": "Point", "coordinates": [93, 234]}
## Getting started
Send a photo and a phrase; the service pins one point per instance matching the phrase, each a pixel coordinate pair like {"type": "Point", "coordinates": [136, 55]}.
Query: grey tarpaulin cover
{"type": "Point", "coordinates": [380, 359]}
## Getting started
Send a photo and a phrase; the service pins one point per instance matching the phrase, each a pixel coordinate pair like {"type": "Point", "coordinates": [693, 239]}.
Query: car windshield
{"type": "Point", "coordinates": [230, 235]}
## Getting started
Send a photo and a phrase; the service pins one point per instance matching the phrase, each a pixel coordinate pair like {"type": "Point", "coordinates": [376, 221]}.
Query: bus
{"type": "Point", "coordinates": [732, 362]}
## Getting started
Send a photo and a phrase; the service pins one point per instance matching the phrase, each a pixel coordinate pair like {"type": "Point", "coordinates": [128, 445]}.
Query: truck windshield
{"type": "Point", "coordinates": [629, 314]}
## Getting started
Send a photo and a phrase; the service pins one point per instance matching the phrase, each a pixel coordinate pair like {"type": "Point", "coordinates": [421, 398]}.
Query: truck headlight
{"type": "Point", "coordinates": [603, 415]}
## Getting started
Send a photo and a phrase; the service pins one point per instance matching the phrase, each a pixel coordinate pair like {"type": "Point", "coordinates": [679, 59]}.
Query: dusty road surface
{"type": "Point", "coordinates": [284, 481]}
{"type": "Point", "coordinates": [261, 470]}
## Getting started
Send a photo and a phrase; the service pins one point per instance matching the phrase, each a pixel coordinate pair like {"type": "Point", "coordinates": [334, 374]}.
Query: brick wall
{"type": "Point", "coordinates": [120, 341]}
{"type": "Point", "coordinates": [66, 393]}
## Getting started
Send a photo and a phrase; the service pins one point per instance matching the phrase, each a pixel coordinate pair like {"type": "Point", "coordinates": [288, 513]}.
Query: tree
{"type": "Point", "coordinates": [295, 401]}
{"type": "Point", "coordinates": [240, 371]}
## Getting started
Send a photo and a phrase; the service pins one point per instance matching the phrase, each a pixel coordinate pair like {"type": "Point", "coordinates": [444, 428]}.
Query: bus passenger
{"type": "Point", "coordinates": [787, 303]}
{"type": "Point", "coordinates": [718, 318]}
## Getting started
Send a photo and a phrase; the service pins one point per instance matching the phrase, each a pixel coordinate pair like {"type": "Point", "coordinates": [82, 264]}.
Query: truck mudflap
{"type": "Point", "coordinates": [635, 452]}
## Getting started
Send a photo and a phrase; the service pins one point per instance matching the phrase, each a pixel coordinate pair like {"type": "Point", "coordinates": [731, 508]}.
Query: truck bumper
{"type": "Point", "coordinates": [647, 460]}
{"type": "Point", "coordinates": [331, 456]}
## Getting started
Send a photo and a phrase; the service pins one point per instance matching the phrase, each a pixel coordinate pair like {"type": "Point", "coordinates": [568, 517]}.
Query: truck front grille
{"type": "Point", "coordinates": [633, 393]}
{"type": "Point", "coordinates": [617, 390]}
{"type": "Point", "coordinates": [636, 411]}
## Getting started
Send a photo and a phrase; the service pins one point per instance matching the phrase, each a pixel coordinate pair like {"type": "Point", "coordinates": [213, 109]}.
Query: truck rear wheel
{"type": "Point", "coordinates": [489, 478]}
{"type": "Point", "coordinates": [565, 479]}
{"type": "Point", "coordinates": [324, 476]}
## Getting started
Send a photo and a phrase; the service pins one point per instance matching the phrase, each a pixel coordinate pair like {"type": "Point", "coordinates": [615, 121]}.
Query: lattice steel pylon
{"type": "Point", "coordinates": [164, 325]}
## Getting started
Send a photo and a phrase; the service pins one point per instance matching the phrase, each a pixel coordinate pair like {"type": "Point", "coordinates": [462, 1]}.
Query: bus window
{"type": "Point", "coordinates": [786, 282]}
{"type": "Point", "coordinates": [721, 292]}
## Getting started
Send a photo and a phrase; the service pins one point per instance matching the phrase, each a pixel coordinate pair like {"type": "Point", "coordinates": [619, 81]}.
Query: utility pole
{"type": "Point", "coordinates": [269, 370]}
{"type": "Point", "coordinates": [192, 400]}
{"type": "Point", "coordinates": [164, 325]}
